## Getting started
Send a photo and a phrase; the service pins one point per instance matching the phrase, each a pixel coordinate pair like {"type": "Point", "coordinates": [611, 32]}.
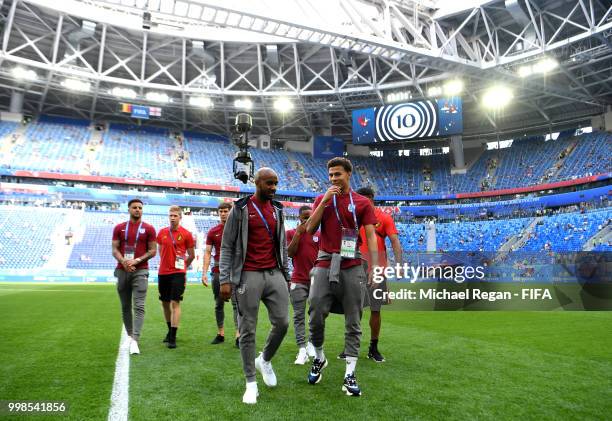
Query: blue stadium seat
{"type": "Point", "coordinates": [145, 153]}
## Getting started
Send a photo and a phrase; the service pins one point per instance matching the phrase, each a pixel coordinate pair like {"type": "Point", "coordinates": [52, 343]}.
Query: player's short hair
{"type": "Point", "coordinates": [175, 208]}
{"type": "Point", "coordinates": [366, 191]}
{"type": "Point", "coordinates": [340, 162]}
{"type": "Point", "coordinates": [303, 208]}
{"type": "Point", "coordinates": [225, 205]}
{"type": "Point", "coordinates": [135, 201]}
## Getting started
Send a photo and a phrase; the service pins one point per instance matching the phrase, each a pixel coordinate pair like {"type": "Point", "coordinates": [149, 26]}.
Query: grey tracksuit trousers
{"type": "Point", "coordinates": [349, 292]}
{"type": "Point", "coordinates": [132, 286]}
{"type": "Point", "coordinates": [220, 304]}
{"type": "Point", "coordinates": [299, 296]}
{"type": "Point", "coordinates": [269, 287]}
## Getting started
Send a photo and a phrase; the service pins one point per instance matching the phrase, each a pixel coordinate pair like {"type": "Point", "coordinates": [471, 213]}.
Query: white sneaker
{"type": "Point", "coordinates": [266, 370]}
{"type": "Point", "coordinates": [250, 394]}
{"type": "Point", "coordinates": [302, 357]}
{"type": "Point", "coordinates": [134, 347]}
{"type": "Point", "coordinates": [310, 349]}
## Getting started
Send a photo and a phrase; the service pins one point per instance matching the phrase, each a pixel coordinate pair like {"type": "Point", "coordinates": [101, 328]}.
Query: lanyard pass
{"type": "Point", "coordinates": [348, 245]}
{"type": "Point", "coordinates": [129, 253]}
{"type": "Point", "coordinates": [179, 263]}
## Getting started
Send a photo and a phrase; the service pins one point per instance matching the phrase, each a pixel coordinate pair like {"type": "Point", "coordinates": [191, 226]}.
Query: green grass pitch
{"type": "Point", "coordinates": [59, 343]}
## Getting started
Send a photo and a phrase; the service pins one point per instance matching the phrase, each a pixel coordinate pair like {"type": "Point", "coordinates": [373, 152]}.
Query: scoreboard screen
{"type": "Point", "coordinates": [142, 112]}
{"type": "Point", "coordinates": [409, 121]}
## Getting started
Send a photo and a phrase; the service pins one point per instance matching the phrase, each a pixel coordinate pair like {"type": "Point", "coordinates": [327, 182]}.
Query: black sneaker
{"type": "Point", "coordinates": [314, 375]}
{"type": "Point", "coordinates": [218, 339]}
{"type": "Point", "coordinates": [373, 354]}
{"type": "Point", "coordinates": [171, 343]}
{"type": "Point", "coordinates": [167, 338]}
{"type": "Point", "coordinates": [342, 356]}
{"type": "Point", "coordinates": [350, 386]}
{"type": "Point", "coordinates": [237, 345]}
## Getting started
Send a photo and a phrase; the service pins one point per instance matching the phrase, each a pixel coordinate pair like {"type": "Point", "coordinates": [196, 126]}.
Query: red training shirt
{"type": "Point", "coordinates": [213, 238]}
{"type": "Point", "coordinates": [331, 231]}
{"type": "Point", "coordinates": [183, 240]}
{"type": "Point", "coordinates": [305, 257]}
{"type": "Point", "coordinates": [147, 234]}
{"type": "Point", "coordinates": [260, 253]}
{"type": "Point", "coordinates": [384, 228]}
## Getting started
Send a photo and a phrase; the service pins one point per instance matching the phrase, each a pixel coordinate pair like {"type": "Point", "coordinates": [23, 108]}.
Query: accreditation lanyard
{"type": "Point", "coordinates": [348, 242]}
{"type": "Point", "coordinates": [352, 209]}
{"type": "Point", "coordinates": [179, 261]}
{"type": "Point", "coordinates": [131, 251]}
{"type": "Point", "coordinates": [263, 220]}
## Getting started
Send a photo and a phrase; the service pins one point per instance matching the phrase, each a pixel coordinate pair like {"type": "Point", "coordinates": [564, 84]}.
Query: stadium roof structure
{"type": "Point", "coordinates": [327, 57]}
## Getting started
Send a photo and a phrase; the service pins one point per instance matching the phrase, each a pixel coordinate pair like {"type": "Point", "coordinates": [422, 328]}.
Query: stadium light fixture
{"type": "Point", "coordinates": [525, 71]}
{"type": "Point", "coordinates": [283, 105]}
{"type": "Point", "coordinates": [545, 65]}
{"type": "Point", "coordinates": [157, 97]}
{"type": "Point", "coordinates": [399, 96]}
{"type": "Point", "coordinates": [24, 74]}
{"type": "Point", "coordinates": [453, 87]}
{"type": "Point", "coordinates": [76, 85]}
{"type": "Point", "coordinates": [245, 104]}
{"type": "Point", "coordinates": [497, 96]}
{"type": "Point", "coordinates": [201, 102]}
{"type": "Point", "coordinates": [434, 91]}
{"type": "Point", "coordinates": [123, 92]}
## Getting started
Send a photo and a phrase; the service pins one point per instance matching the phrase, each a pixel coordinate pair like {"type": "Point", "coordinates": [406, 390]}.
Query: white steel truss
{"type": "Point", "coordinates": [322, 68]}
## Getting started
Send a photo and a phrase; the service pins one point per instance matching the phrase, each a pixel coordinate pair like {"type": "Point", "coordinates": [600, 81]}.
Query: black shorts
{"type": "Point", "coordinates": [171, 287]}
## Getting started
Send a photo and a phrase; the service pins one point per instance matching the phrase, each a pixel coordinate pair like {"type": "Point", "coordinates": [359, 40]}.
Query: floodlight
{"type": "Point", "coordinates": [76, 85]}
{"type": "Point", "coordinates": [157, 97]}
{"type": "Point", "coordinates": [283, 105]}
{"type": "Point", "coordinates": [497, 96]}
{"type": "Point", "coordinates": [201, 101]}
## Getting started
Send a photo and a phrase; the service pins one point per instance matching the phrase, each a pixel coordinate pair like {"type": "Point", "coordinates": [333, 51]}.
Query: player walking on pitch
{"type": "Point", "coordinates": [176, 252]}
{"type": "Point", "coordinates": [254, 266]}
{"type": "Point", "coordinates": [339, 277]}
{"type": "Point", "coordinates": [133, 245]}
{"type": "Point", "coordinates": [303, 248]}
{"type": "Point", "coordinates": [213, 241]}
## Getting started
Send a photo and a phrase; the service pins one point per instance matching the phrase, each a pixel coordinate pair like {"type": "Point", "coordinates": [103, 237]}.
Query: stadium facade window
{"type": "Point", "coordinates": [425, 151]}
{"type": "Point", "coordinates": [552, 136]}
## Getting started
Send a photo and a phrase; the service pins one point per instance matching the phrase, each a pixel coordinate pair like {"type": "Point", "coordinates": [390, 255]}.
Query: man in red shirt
{"type": "Point", "coordinates": [133, 246]}
{"type": "Point", "coordinates": [338, 277]}
{"type": "Point", "coordinates": [213, 240]}
{"type": "Point", "coordinates": [303, 248]}
{"type": "Point", "coordinates": [176, 252]}
{"type": "Point", "coordinates": [385, 227]}
{"type": "Point", "coordinates": [254, 265]}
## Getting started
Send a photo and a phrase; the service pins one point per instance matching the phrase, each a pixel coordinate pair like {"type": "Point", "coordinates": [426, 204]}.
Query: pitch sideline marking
{"type": "Point", "coordinates": [120, 395]}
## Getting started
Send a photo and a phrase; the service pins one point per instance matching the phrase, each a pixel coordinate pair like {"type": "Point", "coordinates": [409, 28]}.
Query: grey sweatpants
{"type": "Point", "coordinates": [270, 287]}
{"type": "Point", "coordinates": [220, 304]}
{"type": "Point", "coordinates": [299, 295]}
{"type": "Point", "coordinates": [349, 292]}
{"type": "Point", "coordinates": [132, 286]}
